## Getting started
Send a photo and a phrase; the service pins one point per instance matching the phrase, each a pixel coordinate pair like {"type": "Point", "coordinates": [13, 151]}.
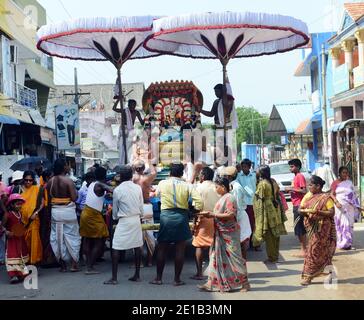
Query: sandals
{"type": "Point", "coordinates": [179, 284]}
{"type": "Point", "coordinates": [14, 280]}
{"type": "Point", "coordinates": [156, 282]}
{"type": "Point", "coordinates": [111, 282]}
{"type": "Point", "coordinates": [245, 288]}
{"type": "Point", "coordinates": [91, 272]}
{"type": "Point", "coordinates": [198, 278]}
{"type": "Point", "coordinates": [205, 288]}
{"type": "Point", "coordinates": [306, 282]}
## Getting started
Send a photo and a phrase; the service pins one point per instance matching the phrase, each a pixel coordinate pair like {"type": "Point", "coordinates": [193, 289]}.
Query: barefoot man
{"type": "Point", "coordinates": [65, 237]}
{"type": "Point", "coordinates": [298, 191]}
{"type": "Point", "coordinates": [129, 115]}
{"type": "Point", "coordinates": [92, 225]}
{"type": "Point", "coordinates": [128, 209]}
{"type": "Point", "coordinates": [205, 229]}
{"type": "Point", "coordinates": [145, 182]}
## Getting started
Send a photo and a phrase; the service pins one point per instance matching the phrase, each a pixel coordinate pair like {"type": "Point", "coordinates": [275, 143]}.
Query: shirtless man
{"type": "Point", "coordinates": [145, 182]}
{"type": "Point", "coordinates": [65, 238]}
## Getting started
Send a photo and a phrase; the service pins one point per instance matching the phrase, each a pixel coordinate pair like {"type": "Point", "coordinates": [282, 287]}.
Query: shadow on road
{"type": "Point", "coordinates": [352, 281]}
{"type": "Point", "coordinates": [276, 288]}
{"type": "Point", "coordinates": [285, 272]}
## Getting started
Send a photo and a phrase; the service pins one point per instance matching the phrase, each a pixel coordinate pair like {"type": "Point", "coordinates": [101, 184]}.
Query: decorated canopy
{"type": "Point", "coordinates": [226, 35]}
{"type": "Point", "coordinates": [100, 39]}
{"type": "Point", "coordinates": [97, 39]}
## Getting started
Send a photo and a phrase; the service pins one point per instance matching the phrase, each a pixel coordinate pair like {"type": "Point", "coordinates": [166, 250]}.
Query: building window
{"type": "Point", "coordinates": [315, 76]}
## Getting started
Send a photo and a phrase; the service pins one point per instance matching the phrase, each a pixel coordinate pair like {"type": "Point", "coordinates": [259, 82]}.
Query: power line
{"type": "Point", "coordinates": [64, 8]}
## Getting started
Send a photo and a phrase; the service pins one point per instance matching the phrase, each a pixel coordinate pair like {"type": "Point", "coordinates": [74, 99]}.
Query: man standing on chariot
{"type": "Point", "coordinates": [130, 115]}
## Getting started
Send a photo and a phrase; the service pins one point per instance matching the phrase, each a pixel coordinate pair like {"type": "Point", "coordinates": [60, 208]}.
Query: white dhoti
{"type": "Point", "coordinates": [244, 223]}
{"type": "Point", "coordinates": [128, 234]}
{"type": "Point", "coordinates": [148, 236]}
{"type": "Point", "coordinates": [65, 236]}
{"type": "Point", "coordinates": [129, 147]}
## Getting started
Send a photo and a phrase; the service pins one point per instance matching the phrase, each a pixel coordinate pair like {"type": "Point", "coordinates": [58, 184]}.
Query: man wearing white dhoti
{"type": "Point", "coordinates": [145, 181]}
{"type": "Point", "coordinates": [225, 117]}
{"type": "Point", "coordinates": [65, 237]}
{"type": "Point", "coordinates": [128, 209]}
{"type": "Point", "coordinates": [130, 115]}
{"type": "Point", "coordinates": [218, 113]}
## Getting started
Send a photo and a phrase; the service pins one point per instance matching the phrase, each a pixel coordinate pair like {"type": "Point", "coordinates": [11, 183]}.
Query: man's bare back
{"type": "Point", "coordinates": [145, 182]}
{"type": "Point", "coordinates": [62, 187]}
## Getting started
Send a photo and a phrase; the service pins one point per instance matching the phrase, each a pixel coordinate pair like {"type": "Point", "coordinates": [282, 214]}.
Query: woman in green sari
{"type": "Point", "coordinates": [270, 217]}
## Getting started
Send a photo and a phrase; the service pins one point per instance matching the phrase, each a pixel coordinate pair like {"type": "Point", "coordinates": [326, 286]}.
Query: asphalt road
{"type": "Point", "coordinates": [279, 282]}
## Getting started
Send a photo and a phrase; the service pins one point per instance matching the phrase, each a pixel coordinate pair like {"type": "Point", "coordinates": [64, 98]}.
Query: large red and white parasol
{"type": "Point", "coordinates": [116, 40]}
{"type": "Point", "coordinates": [226, 35]}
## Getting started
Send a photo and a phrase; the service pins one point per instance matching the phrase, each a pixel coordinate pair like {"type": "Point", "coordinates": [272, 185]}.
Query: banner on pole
{"type": "Point", "coordinates": [68, 127]}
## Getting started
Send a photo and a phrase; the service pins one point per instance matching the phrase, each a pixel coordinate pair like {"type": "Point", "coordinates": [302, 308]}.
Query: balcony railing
{"type": "Point", "coordinates": [341, 79]}
{"type": "Point", "coordinates": [358, 76]}
{"type": "Point", "coordinates": [25, 96]}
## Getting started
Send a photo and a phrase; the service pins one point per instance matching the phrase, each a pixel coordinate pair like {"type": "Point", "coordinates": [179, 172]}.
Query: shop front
{"type": "Point", "coordinates": [348, 143]}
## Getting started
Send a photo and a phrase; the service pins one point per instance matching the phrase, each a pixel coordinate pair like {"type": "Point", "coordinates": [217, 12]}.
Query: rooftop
{"type": "Point", "coordinates": [355, 10]}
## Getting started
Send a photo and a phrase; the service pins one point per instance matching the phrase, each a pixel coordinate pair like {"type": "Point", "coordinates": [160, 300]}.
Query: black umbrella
{"type": "Point", "coordinates": [31, 163]}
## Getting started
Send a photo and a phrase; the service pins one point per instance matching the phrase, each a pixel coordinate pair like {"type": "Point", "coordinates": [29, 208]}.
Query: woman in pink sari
{"type": "Point", "coordinates": [227, 268]}
{"type": "Point", "coordinates": [347, 209]}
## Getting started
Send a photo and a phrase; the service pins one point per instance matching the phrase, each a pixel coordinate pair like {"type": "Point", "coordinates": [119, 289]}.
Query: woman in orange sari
{"type": "Point", "coordinates": [34, 203]}
{"type": "Point", "coordinates": [319, 212]}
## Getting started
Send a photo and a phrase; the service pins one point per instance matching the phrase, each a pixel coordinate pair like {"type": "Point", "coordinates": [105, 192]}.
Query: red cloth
{"type": "Point", "coordinates": [299, 181]}
{"type": "Point", "coordinates": [284, 201]}
{"type": "Point", "coordinates": [335, 185]}
{"type": "Point", "coordinates": [250, 212]}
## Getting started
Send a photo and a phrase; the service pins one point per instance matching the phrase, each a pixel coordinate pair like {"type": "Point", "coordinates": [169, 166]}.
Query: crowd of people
{"type": "Point", "coordinates": [226, 211]}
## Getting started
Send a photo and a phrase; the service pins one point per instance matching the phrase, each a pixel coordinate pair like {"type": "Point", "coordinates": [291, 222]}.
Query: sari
{"type": "Point", "coordinates": [32, 235]}
{"type": "Point", "coordinates": [321, 234]}
{"type": "Point", "coordinates": [45, 231]}
{"type": "Point", "coordinates": [269, 219]}
{"type": "Point", "coordinates": [346, 216]}
{"type": "Point", "coordinates": [227, 268]}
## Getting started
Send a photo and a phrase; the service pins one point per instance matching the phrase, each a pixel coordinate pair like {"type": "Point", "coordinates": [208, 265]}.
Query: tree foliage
{"type": "Point", "coordinates": [251, 126]}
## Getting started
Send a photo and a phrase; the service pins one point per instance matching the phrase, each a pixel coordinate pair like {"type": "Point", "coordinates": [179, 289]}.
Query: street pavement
{"type": "Point", "coordinates": [279, 282]}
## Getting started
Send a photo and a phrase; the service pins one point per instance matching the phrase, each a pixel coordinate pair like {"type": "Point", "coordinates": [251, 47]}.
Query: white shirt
{"type": "Point", "coordinates": [326, 174]}
{"type": "Point", "coordinates": [92, 200]}
{"type": "Point", "coordinates": [128, 201]}
{"type": "Point", "coordinates": [210, 197]}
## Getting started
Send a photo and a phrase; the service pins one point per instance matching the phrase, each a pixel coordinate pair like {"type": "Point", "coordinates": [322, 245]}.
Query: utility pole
{"type": "Point", "coordinates": [261, 135]}
{"type": "Point", "coordinates": [253, 129]}
{"type": "Point", "coordinates": [262, 141]}
{"type": "Point", "coordinates": [76, 100]}
{"type": "Point", "coordinates": [324, 106]}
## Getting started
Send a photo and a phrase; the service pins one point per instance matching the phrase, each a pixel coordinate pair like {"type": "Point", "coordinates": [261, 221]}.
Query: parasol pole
{"type": "Point", "coordinates": [121, 99]}
{"type": "Point", "coordinates": [224, 63]}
